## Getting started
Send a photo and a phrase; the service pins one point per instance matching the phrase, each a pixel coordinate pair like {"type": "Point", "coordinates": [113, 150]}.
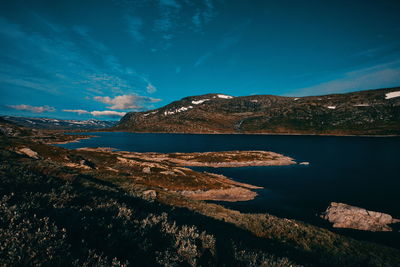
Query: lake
{"type": "Point", "coordinates": [360, 171]}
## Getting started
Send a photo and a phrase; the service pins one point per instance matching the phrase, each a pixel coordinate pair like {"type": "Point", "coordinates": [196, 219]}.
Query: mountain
{"type": "Point", "coordinates": [364, 112]}
{"type": "Point", "coordinates": [56, 124]}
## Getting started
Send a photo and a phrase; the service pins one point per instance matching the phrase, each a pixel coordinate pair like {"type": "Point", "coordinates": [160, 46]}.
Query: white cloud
{"type": "Point", "coordinates": [109, 113]}
{"type": "Point", "coordinates": [35, 109]}
{"type": "Point", "coordinates": [126, 101]}
{"type": "Point", "coordinates": [151, 88]}
{"type": "Point", "coordinates": [79, 111]}
{"type": "Point", "coordinates": [96, 113]}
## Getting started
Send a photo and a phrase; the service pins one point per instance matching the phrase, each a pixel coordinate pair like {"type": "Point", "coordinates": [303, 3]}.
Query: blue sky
{"type": "Point", "coordinates": [100, 59]}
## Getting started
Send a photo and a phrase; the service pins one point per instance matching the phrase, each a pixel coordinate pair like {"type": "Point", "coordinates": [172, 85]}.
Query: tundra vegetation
{"type": "Point", "coordinates": [62, 207]}
{"type": "Point", "coordinates": [369, 112]}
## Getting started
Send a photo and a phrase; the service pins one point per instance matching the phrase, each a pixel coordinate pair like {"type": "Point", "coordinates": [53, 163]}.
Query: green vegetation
{"type": "Point", "coordinates": [85, 214]}
{"type": "Point", "coordinates": [48, 220]}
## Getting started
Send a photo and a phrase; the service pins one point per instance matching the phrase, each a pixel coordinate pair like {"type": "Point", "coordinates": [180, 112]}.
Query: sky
{"type": "Point", "coordinates": [100, 59]}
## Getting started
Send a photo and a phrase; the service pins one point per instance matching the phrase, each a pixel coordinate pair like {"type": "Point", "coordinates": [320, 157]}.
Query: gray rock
{"type": "Point", "coordinates": [29, 152]}
{"type": "Point", "coordinates": [150, 194]}
{"type": "Point", "coordinates": [146, 170]}
{"type": "Point", "coordinates": [346, 216]}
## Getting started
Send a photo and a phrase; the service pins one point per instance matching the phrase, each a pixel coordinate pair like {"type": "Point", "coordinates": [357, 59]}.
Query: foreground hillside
{"type": "Point", "coordinates": [365, 112]}
{"type": "Point", "coordinates": [62, 207]}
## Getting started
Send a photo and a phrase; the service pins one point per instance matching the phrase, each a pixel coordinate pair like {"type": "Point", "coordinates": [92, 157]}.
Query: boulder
{"type": "Point", "coordinates": [146, 170]}
{"type": "Point", "coordinates": [150, 195]}
{"type": "Point", "coordinates": [29, 152]}
{"type": "Point", "coordinates": [346, 216]}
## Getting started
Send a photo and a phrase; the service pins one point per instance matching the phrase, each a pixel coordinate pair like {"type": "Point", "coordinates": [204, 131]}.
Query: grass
{"type": "Point", "coordinates": [61, 216]}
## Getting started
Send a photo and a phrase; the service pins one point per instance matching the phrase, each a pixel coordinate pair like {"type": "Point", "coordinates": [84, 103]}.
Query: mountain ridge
{"type": "Point", "coordinates": [59, 124]}
{"type": "Point", "coordinates": [368, 112]}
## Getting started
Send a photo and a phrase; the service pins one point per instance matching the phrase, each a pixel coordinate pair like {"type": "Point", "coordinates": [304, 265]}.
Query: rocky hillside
{"type": "Point", "coordinates": [363, 112]}
{"type": "Point", "coordinates": [56, 124]}
{"type": "Point", "coordinates": [96, 207]}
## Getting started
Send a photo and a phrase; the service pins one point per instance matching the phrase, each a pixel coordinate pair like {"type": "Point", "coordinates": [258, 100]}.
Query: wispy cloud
{"type": "Point", "coordinates": [135, 25]}
{"type": "Point", "coordinates": [166, 23]}
{"type": "Point", "coordinates": [227, 41]}
{"type": "Point", "coordinates": [203, 15]}
{"type": "Point", "coordinates": [78, 111]}
{"type": "Point", "coordinates": [108, 113]}
{"type": "Point", "coordinates": [387, 50]}
{"type": "Point", "coordinates": [170, 3]}
{"type": "Point", "coordinates": [202, 59]}
{"type": "Point", "coordinates": [124, 102]}
{"type": "Point", "coordinates": [374, 77]}
{"type": "Point", "coordinates": [171, 20]}
{"type": "Point", "coordinates": [96, 113]}
{"type": "Point", "coordinates": [151, 88]}
{"type": "Point", "coordinates": [35, 109]}
{"type": "Point", "coordinates": [60, 64]}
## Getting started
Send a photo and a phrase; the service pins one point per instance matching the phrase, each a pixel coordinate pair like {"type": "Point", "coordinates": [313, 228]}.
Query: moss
{"type": "Point", "coordinates": [107, 221]}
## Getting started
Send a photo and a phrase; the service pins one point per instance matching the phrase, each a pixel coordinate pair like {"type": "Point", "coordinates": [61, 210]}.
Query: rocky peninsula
{"type": "Point", "coordinates": [170, 171]}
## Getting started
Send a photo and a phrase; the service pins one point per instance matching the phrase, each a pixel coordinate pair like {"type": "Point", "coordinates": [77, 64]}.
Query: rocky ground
{"type": "Point", "coordinates": [170, 172]}
{"type": "Point", "coordinates": [371, 112]}
{"type": "Point", "coordinates": [102, 207]}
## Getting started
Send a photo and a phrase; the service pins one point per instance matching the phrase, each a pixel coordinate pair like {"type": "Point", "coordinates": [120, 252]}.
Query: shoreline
{"type": "Point", "coordinates": [235, 133]}
{"type": "Point", "coordinates": [171, 167]}
{"type": "Point", "coordinates": [76, 140]}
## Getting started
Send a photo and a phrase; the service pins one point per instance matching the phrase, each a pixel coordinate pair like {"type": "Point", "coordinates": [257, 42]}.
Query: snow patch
{"type": "Point", "coordinates": [78, 122]}
{"type": "Point", "coordinates": [196, 102]}
{"type": "Point", "coordinates": [361, 105]}
{"type": "Point", "coordinates": [392, 95]}
{"type": "Point", "coordinates": [295, 99]}
{"type": "Point", "coordinates": [254, 101]}
{"type": "Point", "coordinates": [150, 113]}
{"type": "Point", "coordinates": [225, 96]}
{"type": "Point", "coordinates": [331, 107]}
{"type": "Point", "coordinates": [168, 112]}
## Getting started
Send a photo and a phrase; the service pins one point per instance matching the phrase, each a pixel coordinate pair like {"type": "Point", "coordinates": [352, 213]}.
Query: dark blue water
{"type": "Point", "coordinates": [361, 171]}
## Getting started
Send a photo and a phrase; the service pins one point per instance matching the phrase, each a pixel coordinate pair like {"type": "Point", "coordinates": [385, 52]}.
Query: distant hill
{"type": "Point", "coordinates": [56, 124]}
{"type": "Point", "coordinates": [364, 112]}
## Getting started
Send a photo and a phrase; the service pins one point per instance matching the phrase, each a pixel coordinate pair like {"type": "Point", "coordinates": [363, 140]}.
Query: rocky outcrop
{"type": "Point", "coordinates": [228, 159]}
{"type": "Point", "coordinates": [346, 216]}
{"type": "Point", "coordinates": [229, 194]}
{"type": "Point", "coordinates": [29, 152]}
{"type": "Point", "coordinates": [365, 112]}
